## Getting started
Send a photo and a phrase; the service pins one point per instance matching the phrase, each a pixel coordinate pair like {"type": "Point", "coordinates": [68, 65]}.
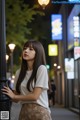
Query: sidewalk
{"type": "Point", "coordinates": [58, 113]}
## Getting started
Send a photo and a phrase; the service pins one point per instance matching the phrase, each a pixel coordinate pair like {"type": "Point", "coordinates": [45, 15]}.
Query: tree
{"type": "Point", "coordinates": [18, 16]}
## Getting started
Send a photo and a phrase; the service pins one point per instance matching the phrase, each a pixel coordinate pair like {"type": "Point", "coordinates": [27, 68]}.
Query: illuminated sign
{"type": "Point", "coordinates": [76, 30]}
{"type": "Point", "coordinates": [69, 68]}
{"type": "Point", "coordinates": [74, 1]}
{"type": "Point", "coordinates": [74, 27]}
{"type": "Point", "coordinates": [76, 52]}
{"type": "Point", "coordinates": [69, 65]}
{"type": "Point", "coordinates": [56, 27]}
{"type": "Point", "coordinates": [65, 1]}
{"type": "Point", "coordinates": [52, 50]}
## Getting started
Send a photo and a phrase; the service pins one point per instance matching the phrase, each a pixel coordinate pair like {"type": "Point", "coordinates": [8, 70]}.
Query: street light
{"type": "Point", "coordinates": [11, 47]}
{"type": "Point", "coordinates": [7, 57]}
{"type": "Point", "coordinates": [43, 3]}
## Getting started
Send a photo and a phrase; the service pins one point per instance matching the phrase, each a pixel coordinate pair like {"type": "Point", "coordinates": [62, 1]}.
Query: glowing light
{"type": "Point", "coordinates": [52, 50]}
{"type": "Point", "coordinates": [43, 3]}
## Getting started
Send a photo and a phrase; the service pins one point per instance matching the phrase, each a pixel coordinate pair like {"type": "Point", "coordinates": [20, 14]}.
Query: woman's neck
{"type": "Point", "coordinates": [30, 65]}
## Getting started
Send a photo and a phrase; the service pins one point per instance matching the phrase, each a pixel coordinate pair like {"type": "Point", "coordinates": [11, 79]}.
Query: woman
{"type": "Point", "coordinates": [31, 83]}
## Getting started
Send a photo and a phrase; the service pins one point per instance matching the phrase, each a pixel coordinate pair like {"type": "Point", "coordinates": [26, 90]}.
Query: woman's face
{"type": "Point", "coordinates": [28, 53]}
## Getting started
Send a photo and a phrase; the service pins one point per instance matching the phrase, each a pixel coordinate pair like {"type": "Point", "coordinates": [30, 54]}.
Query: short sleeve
{"type": "Point", "coordinates": [16, 78]}
{"type": "Point", "coordinates": [42, 77]}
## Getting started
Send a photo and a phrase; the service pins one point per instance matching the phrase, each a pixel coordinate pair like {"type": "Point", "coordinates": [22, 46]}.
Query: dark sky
{"type": "Point", "coordinates": [50, 8]}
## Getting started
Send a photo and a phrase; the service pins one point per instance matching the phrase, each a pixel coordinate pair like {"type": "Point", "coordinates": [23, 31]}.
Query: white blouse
{"type": "Point", "coordinates": [42, 81]}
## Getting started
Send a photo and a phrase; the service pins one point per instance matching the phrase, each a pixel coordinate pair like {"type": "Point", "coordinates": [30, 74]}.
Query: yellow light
{"type": "Point", "coordinates": [52, 50]}
{"type": "Point", "coordinates": [7, 57]}
{"type": "Point", "coordinates": [43, 3]}
{"type": "Point", "coordinates": [12, 46]}
{"type": "Point", "coordinates": [58, 67]}
{"type": "Point", "coordinates": [55, 65]}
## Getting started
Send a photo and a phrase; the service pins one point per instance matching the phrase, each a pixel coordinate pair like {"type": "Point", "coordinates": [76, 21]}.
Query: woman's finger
{"type": "Point", "coordinates": [6, 88]}
{"type": "Point", "coordinates": [5, 93]}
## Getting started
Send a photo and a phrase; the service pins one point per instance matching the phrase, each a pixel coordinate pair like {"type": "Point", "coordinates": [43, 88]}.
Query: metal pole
{"type": "Point", "coordinates": [4, 100]}
{"type": "Point", "coordinates": [11, 64]}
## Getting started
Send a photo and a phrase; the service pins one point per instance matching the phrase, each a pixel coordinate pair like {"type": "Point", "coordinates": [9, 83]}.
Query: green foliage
{"type": "Point", "coordinates": [18, 16]}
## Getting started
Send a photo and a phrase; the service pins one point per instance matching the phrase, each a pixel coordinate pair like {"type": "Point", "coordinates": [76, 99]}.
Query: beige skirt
{"type": "Point", "coordinates": [33, 111]}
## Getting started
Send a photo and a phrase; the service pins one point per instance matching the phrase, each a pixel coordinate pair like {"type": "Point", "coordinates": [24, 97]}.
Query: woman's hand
{"type": "Point", "coordinates": [9, 92]}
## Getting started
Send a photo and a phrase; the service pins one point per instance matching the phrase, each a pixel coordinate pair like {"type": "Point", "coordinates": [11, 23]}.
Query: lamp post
{"type": "Point", "coordinates": [7, 57]}
{"type": "Point", "coordinates": [4, 99]}
{"type": "Point", "coordinates": [11, 47]}
{"type": "Point", "coordinates": [43, 3]}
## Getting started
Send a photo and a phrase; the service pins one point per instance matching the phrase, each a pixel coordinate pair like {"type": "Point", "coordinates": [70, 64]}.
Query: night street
{"type": "Point", "coordinates": [58, 113]}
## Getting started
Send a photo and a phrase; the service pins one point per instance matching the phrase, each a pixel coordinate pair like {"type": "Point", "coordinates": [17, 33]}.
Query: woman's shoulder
{"type": "Point", "coordinates": [42, 68]}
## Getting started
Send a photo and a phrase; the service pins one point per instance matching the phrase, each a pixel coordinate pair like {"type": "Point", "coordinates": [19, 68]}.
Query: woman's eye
{"type": "Point", "coordinates": [31, 48]}
{"type": "Point", "coordinates": [24, 48]}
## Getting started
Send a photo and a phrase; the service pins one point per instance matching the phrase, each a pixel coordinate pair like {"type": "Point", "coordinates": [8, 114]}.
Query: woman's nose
{"type": "Point", "coordinates": [27, 49]}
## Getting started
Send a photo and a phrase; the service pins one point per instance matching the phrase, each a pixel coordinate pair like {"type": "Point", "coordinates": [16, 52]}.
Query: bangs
{"type": "Point", "coordinates": [30, 44]}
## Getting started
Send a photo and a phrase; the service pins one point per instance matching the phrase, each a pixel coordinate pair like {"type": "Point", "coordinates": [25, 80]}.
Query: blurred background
{"type": "Point", "coordinates": [57, 26]}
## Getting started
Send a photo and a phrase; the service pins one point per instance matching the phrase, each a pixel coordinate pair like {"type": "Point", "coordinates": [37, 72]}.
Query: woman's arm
{"type": "Point", "coordinates": [33, 96]}
{"type": "Point", "coordinates": [16, 93]}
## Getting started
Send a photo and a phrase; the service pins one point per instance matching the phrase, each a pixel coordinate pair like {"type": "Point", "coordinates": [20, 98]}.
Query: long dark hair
{"type": "Point", "coordinates": [39, 60]}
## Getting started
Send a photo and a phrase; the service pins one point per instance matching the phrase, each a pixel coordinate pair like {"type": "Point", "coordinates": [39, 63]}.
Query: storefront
{"type": "Point", "coordinates": [73, 31]}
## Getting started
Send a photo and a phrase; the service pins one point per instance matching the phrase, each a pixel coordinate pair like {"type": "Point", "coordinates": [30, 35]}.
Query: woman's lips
{"type": "Point", "coordinates": [25, 55]}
